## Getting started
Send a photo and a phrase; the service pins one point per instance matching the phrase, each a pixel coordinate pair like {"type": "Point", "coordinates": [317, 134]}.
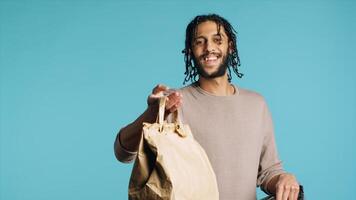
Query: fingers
{"type": "Point", "coordinates": [159, 88]}
{"type": "Point", "coordinates": [174, 101]}
{"type": "Point", "coordinates": [286, 193]}
{"type": "Point", "coordinates": [279, 192]}
{"type": "Point", "coordinates": [292, 195]}
{"type": "Point", "coordinates": [154, 96]}
{"type": "Point", "coordinates": [287, 188]}
{"type": "Point", "coordinates": [295, 190]}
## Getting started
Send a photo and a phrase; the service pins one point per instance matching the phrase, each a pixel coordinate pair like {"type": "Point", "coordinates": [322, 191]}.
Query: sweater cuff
{"type": "Point", "coordinates": [269, 178]}
{"type": "Point", "coordinates": [121, 153]}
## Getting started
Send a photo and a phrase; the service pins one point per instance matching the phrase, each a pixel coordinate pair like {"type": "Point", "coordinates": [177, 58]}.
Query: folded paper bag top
{"type": "Point", "coordinates": [170, 163]}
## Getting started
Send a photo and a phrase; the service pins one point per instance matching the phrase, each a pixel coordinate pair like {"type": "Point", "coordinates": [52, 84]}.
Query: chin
{"type": "Point", "coordinates": [210, 67]}
{"type": "Point", "coordinates": [210, 72]}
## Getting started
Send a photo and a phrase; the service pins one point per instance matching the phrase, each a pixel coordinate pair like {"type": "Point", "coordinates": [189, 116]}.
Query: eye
{"type": "Point", "coordinates": [199, 42]}
{"type": "Point", "coordinates": [218, 40]}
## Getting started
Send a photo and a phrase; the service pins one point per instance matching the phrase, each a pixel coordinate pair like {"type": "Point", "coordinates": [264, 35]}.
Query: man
{"type": "Point", "coordinates": [232, 124]}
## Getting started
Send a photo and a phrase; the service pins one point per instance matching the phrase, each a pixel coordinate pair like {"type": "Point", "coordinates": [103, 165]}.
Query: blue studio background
{"type": "Point", "coordinates": [74, 72]}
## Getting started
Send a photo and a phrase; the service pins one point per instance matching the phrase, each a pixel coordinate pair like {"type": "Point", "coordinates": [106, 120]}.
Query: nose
{"type": "Point", "coordinates": [209, 47]}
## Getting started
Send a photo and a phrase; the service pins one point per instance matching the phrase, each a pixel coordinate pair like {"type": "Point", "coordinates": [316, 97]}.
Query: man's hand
{"type": "Point", "coordinates": [285, 186]}
{"type": "Point", "coordinates": [174, 100]}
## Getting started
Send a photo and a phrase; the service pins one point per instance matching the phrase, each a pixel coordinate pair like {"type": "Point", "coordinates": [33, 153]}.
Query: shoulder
{"type": "Point", "coordinates": [255, 100]}
{"type": "Point", "coordinates": [188, 90]}
{"type": "Point", "coordinates": [250, 95]}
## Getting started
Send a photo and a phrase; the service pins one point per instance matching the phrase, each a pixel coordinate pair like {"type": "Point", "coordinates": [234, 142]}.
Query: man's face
{"type": "Point", "coordinates": [210, 50]}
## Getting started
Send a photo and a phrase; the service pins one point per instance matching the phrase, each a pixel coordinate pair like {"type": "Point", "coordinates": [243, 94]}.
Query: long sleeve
{"type": "Point", "coordinates": [269, 165]}
{"type": "Point", "coordinates": [122, 154]}
{"type": "Point", "coordinates": [130, 136]}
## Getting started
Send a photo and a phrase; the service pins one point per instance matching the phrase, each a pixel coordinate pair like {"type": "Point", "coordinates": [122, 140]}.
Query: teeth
{"type": "Point", "coordinates": [210, 58]}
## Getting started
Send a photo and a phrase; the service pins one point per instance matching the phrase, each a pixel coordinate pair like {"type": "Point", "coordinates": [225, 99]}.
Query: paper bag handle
{"type": "Point", "coordinates": [162, 110]}
{"type": "Point", "coordinates": [176, 118]}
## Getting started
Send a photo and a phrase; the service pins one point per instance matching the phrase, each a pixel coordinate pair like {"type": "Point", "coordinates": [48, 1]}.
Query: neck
{"type": "Point", "coordinates": [219, 86]}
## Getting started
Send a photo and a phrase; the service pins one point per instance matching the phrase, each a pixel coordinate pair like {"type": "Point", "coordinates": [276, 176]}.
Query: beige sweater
{"type": "Point", "coordinates": [237, 134]}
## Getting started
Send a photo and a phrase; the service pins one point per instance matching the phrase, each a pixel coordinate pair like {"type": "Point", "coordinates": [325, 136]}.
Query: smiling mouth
{"type": "Point", "coordinates": [210, 59]}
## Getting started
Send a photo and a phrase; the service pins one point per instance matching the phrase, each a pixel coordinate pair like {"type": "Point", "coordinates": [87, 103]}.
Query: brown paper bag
{"type": "Point", "coordinates": [170, 164]}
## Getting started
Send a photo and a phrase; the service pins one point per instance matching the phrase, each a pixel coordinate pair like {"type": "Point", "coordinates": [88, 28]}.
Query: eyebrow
{"type": "Point", "coordinates": [217, 34]}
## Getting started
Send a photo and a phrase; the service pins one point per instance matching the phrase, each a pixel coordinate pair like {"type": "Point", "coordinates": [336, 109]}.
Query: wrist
{"type": "Point", "coordinates": [151, 113]}
{"type": "Point", "coordinates": [271, 185]}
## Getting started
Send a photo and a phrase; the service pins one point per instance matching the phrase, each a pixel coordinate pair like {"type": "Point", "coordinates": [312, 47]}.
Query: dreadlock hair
{"type": "Point", "coordinates": [233, 58]}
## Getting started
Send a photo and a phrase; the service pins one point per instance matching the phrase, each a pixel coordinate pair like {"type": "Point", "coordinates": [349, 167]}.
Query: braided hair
{"type": "Point", "coordinates": [233, 58]}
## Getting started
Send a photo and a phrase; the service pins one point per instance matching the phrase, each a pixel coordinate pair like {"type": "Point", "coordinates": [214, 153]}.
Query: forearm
{"type": "Point", "coordinates": [131, 134]}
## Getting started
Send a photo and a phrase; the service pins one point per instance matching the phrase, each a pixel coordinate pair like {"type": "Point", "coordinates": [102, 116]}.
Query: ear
{"type": "Point", "coordinates": [230, 47]}
{"type": "Point", "coordinates": [190, 52]}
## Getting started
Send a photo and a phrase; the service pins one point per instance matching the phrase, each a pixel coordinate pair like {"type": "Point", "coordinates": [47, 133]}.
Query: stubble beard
{"type": "Point", "coordinates": [218, 73]}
